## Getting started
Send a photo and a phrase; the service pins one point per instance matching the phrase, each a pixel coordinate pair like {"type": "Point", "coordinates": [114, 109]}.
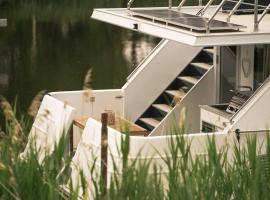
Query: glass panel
{"type": "Point", "coordinates": [227, 73]}
{"type": "Point", "coordinates": [261, 64]}
{"type": "Point", "coordinates": [266, 61]}
{"type": "Point", "coordinates": [258, 65]}
{"type": "Point", "coordinates": [207, 127]}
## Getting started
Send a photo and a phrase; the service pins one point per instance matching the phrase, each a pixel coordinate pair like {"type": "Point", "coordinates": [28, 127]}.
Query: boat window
{"type": "Point", "coordinates": [261, 64]}
{"type": "Point", "coordinates": [227, 73]}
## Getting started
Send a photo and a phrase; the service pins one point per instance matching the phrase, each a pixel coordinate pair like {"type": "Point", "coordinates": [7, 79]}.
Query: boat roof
{"type": "Point", "coordinates": [186, 27]}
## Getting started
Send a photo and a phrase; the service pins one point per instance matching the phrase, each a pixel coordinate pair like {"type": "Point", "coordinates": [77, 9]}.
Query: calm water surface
{"type": "Point", "coordinates": [51, 45]}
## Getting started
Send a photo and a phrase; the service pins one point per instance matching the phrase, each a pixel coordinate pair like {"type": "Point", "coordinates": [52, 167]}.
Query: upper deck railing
{"type": "Point", "coordinates": [257, 18]}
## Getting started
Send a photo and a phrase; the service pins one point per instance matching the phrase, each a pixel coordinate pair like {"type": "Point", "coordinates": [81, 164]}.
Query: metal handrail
{"type": "Point", "coordinates": [251, 131]}
{"type": "Point", "coordinates": [257, 8]}
{"type": "Point", "coordinates": [245, 3]}
{"type": "Point", "coordinates": [181, 4]}
{"type": "Point", "coordinates": [264, 13]}
{"type": "Point", "coordinates": [214, 14]}
{"type": "Point", "coordinates": [238, 133]}
{"type": "Point", "coordinates": [202, 11]}
{"type": "Point", "coordinates": [256, 25]}
{"type": "Point", "coordinates": [256, 20]}
{"type": "Point", "coordinates": [252, 96]}
{"type": "Point", "coordinates": [132, 1]}
{"type": "Point", "coordinates": [233, 10]}
{"type": "Point", "coordinates": [129, 4]}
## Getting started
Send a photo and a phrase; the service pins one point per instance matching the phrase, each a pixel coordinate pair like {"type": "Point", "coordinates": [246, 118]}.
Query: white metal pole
{"type": "Point", "coordinates": [256, 15]}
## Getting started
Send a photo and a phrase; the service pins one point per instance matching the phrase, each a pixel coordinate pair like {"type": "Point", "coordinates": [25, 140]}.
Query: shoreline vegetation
{"type": "Point", "coordinates": [209, 176]}
{"type": "Point", "coordinates": [244, 175]}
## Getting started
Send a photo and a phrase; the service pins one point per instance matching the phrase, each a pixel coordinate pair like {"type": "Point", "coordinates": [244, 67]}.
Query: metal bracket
{"type": "Point", "coordinates": [119, 96]}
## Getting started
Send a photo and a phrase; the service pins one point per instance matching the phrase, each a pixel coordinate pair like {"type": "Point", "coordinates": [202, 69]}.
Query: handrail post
{"type": "Point", "coordinates": [181, 5]}
{"type": "Point", "coordinates": [264, 13]}
{"type": "Point", "coordinates": [129, 4]}
{"type": "Point", "coordinates": [256, 16]}
{"type": "Point", "coordinates": [214, 14]}
{"type": "Point", "coordinates": [202, 11]}
{"type": "Point", "coordinates": [170, 4]}
{"type": "Point", "coordinates": [233, 10]}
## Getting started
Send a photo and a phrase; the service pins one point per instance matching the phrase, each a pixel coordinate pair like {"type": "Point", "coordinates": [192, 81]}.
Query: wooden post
{"type": "Point", "coordinates": [104, 152]}
{"type": "Point", "coordinates": [71, 140]}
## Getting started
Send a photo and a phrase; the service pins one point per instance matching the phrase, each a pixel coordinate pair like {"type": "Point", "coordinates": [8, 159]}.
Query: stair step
{"type": "Point", "coordinates": [201, 65]}
{"type": "Point", "coordinates": [176, 93]}
{"type": "Point", "coordinates": [190, 79]}
{"type": "Point", "coordinates": [150, 121]}
{"type": "Point", "coordinates": [163, 107]}
{"type": "Point", "coordinates": [210, 50]}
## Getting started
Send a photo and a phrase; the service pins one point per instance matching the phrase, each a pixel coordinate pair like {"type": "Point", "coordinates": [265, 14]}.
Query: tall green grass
{"type": "Point", "coordinates": [210, 176]}
{"type": "Point", "coordinates": [28, 178]}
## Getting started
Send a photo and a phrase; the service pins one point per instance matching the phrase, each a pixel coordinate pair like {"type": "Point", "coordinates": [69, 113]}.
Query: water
{"type": "Point", "coordinates": [51, 44]}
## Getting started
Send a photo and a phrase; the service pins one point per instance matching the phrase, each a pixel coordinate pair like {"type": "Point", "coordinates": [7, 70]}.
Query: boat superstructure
{"type": "Point", "coordinates": [211, 70]}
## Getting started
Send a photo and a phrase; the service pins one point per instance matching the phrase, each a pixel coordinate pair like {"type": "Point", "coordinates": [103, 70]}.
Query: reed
{"type": "Point", "coordinates": [35, 104]}
{"type": "Point", "coordinates": [87, 86]}
{"type": "Point", "coordinates": [209, 176]}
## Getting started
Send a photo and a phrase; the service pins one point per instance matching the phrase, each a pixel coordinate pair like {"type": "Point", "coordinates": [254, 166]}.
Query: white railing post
{"type": "Point", "coordinates": [181, 4]}
{"type": "Point", "coordinates": [256, 15]}
{"type": "Point", "coordinates": [129, 4]}
{"type": "Point", "coordinates": [202, 11]}
{"type": "Point", "coordinates": [170, 4]}
{"type": "Point", "coordinates": [264, 13]}
{"type": "Point", "coordinates": [233, 10]}
{"type": "Point", "coordinates": [214, 14]}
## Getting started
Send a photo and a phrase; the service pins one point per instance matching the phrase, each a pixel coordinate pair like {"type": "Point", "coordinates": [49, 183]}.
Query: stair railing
{"type": "Point", "coordinates": [256, 92]}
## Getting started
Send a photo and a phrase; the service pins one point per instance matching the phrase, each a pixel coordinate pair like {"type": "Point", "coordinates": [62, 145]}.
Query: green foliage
{"type": "Point", "coordinates": [27, 178]}
{"type": "Point", "coordinates": [210, 176]}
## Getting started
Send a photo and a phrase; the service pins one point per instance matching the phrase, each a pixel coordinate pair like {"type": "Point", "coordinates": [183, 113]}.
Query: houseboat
{"type": "Point", "coordinates": [210, 70]}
